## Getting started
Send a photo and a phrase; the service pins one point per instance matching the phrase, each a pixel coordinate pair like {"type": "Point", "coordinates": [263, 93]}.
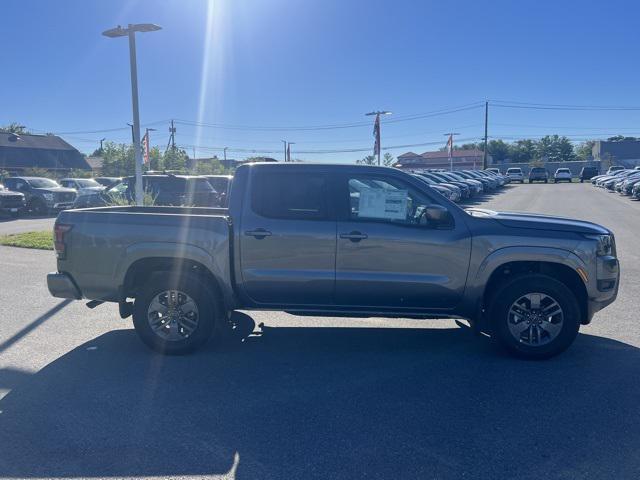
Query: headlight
{"type": "Point", "coordinates": [48, 196]}
{"type": "Point", "coordinates": [605, 245]}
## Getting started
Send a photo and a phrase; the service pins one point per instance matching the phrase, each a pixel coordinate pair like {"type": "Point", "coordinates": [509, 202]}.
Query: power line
{"type": "Point", "coordinates": [554, 106]}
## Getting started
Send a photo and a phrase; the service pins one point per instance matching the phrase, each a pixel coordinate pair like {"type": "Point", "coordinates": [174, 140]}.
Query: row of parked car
{"type": "Point", "coordinates": [43, 196]}
{"type": "Point", "coordinates": [541, 174]}
{"type": "Point", "coordinates": [461, 185]}
{"type": "Point", "coordinates": [625, 181]}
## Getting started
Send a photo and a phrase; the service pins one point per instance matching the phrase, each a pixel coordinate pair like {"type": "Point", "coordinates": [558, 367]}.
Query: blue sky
{"type": "Point", "coordinates": [288, 63]}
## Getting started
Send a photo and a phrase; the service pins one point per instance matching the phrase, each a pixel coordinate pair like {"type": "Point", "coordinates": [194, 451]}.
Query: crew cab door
{"type": "Point", "coordinates": [389, 255]}
{"type": "Point", "coordinates": [288, 238]}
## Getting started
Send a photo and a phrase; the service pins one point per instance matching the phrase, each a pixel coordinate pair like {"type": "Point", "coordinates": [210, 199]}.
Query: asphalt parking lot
{"type": "Point", "coordinates": [80, 396]}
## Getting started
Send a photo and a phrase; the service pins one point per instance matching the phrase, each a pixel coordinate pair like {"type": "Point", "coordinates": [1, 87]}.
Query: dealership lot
{"type": "Point", "coordinates": [320, 397]}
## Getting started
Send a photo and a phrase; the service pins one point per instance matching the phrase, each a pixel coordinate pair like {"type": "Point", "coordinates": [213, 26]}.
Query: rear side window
{"type": "Point", "coordinates": [290, 195]}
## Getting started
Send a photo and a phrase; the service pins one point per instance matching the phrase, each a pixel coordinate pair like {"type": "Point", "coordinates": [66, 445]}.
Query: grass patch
{"type": "Point", "coordinates": [39, 240]}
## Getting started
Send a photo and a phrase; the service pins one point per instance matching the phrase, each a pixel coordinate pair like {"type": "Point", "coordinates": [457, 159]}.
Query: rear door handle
{"type": "Point", "coordinates": [258, 233]}
{"type": "Point", "coordinates": [354, 236]}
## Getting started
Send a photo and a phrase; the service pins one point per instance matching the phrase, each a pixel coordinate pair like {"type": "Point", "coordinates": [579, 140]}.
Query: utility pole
{"type": "Point", "coordinates": [173, 136]}
{"type": "Point", "coordinates": [450, 148]}
{"type": "Point", "coordinates": [376, 131]}
{"type": "Point", "coordinates": [289, 150]}
{"type": "Point", "coordinates": [133, 137]}
{"type": "Point", "coordinates": [285, 149]}
{"type": "Point", "coordinates": [101, 140]}
{"type": "Point", "coordinates": [486, 134]}
{"type": "Point", "coordinates": [224, 150]}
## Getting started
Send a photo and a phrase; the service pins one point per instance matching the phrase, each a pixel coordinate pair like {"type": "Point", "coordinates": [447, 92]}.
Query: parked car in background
{"type": "Point", "coordinates": [303, 238]}
{"type": "Point", "coordinates": [84, 186]}
{"type": "Point", "coordinates": [221, 184]}
{"type": "Point", "coordinates": [176, 190]}
{"type": "Point", "coordinates": [515, 174]}
{"type": "Point", "coordinates": [448, 193]}
{"type": "Point", "coordinates": [562, 175]}
{"type": "Point", "coordinates": [433, 180]}
{"type": "Point", "coordinates": [587, 173]}
{"type": "Point", "coordinates": [615, 168]}
{"type": "Point", "coordinates": [43, 195]}
{"type": "Point", "coordinates": [12, 203]}
{"type": "Point", "coordinates": [538, 174]}
{"type": "Point", "coordinates": [625, 185]}
{"type": "Point", "coordinates": [108, 181]}
{"type": "Point", "coordinates": [493, 169]}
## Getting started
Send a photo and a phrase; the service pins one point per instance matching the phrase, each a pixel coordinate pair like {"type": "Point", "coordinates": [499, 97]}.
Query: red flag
{"type": "Point", "coordinates": [145, 147]}
{"type": "Point", "coordinates": [376, 135]}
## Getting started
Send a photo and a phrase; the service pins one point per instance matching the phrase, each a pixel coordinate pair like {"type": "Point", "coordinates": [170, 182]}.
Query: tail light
{"type": "Point", "coordinates": [59, 232]}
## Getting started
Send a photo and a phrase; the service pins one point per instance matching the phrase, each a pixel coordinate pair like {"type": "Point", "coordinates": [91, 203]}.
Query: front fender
{"type": "Point", "coordinates": [524, 254]}
{"type": "Point", "coordinates": [479, 276]}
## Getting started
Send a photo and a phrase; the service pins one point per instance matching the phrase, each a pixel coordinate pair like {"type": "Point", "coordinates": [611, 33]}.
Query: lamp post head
{"type": "Point", "coordinates": [119, 31]}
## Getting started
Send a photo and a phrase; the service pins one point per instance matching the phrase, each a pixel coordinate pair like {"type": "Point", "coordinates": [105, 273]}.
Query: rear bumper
{"type": "Point", "coordinates": [61, 285]}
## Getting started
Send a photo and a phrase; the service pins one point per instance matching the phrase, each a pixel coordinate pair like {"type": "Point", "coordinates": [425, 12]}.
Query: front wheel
{"type": "Point", "coordinates": [173, 315]}
{"type": "Point", "coordinates": [534, 316]}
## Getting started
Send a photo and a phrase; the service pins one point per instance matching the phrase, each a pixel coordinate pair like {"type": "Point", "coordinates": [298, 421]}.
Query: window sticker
{"type": "Point", "coordinates": [381, 203]}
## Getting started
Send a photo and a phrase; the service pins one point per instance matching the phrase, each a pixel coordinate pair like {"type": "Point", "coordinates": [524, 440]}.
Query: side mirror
{"type": "Point", "coordinates": [437, 216]}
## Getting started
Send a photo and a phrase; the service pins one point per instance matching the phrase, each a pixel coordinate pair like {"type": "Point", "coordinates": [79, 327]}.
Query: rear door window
{"type": "Point", "coordinates": [290, 195]}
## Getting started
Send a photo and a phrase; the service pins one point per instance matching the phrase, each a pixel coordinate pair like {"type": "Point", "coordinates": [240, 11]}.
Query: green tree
{"type": "Point", "coordinates": [39, 172]}
{"type": "Point", "coordinates": [368, 160]}
{"type": "Point", "coordinates": [14, 127]}
{"type": "Point", "coordinates": [522, 150]}
{"type": "Point", "coordinates": [388, 159]}
{"type": "Point", "coordinates": [553, 148]}
{"type": "Point", "coordinates": [585, 149]}
{"type": "Point", "coordinates": [118, 160]}
{"type": "Point", "coordinates": [499, 150]}
{"type": "Point", "coordinates": [175, 159]}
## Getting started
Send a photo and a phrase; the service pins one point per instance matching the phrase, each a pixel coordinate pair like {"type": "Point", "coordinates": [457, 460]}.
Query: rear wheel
{"type": "Point", "coordinates": [173, 315]}
{"type": "Point", "coordinates": [535, 316]}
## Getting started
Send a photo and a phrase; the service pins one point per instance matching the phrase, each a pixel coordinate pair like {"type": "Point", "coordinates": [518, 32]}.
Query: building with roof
{"type": "Point", "coordinates": [461, 160]}
{"type": "Point", "coordinates": [622, 152]}
{"type": "Point", "coordinates": [22, 151]}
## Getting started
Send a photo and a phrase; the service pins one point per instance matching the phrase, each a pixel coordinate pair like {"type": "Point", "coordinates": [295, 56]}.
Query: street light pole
{"type": "Point", "coordinates": [285, 149]}
{"type": "Point", "coordinates": [130, 32]}
{"type": "Point", "coordinates": [136, 115]}
{"type": "Point", "coordinates": [224, 150]}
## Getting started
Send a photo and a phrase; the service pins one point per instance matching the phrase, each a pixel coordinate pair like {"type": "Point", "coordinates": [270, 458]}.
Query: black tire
{"type": "Point", "coordinates": [516, 288]}
{"type": "Point", "coordinates": [546, 181]}
{"type": "Point", "coordinates": [15, 214]}
{"type": "Point", "coordinates": [209, 311]}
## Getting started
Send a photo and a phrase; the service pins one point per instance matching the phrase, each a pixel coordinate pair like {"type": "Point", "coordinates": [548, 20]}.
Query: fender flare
{"type": "Point", "coordinates": [173, 250]}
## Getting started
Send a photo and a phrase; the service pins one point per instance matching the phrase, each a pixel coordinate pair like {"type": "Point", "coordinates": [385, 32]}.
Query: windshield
{"type": "Point", "coordinates": [42, 183]}
{"type": "Point", "coordinates": [514, 170]}
{"type": "Point", "coordinates": [87, 183]}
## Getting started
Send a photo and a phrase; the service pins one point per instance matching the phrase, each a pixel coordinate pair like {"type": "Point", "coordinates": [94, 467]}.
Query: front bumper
{"type": "Point", "coordinates": [61, 285]}
{"type": "Point", "coordinates": [607, 285]}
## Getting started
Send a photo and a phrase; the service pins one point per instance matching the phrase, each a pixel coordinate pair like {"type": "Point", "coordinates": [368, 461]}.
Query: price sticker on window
{"type": "Point", "coordinates": [382, 203]}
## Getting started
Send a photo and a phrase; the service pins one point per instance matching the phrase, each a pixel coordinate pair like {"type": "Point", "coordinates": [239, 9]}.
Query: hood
{"type": "Point", "coordinates": [9, 193]}
{"type": "Point", "coordinates": [539, 222]}
{"type": "Point", "coordinates": [54, 190]}
{"type": "Point", "coordinates": [90, 189]}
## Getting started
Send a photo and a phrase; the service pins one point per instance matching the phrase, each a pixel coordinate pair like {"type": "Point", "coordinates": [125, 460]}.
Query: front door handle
{"type": "Point", "coordinates": [258, 233]}
{"type": "Point", "coordinates": [354, 236]}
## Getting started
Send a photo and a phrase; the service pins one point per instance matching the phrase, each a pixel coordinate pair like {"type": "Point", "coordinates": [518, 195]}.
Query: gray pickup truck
{"type": "Point", "coordinates": [337, 240]}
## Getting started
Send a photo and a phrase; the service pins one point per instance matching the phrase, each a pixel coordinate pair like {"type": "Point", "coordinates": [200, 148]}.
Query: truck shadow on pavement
{"type": "Point", "coordinates": [326, 403]}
